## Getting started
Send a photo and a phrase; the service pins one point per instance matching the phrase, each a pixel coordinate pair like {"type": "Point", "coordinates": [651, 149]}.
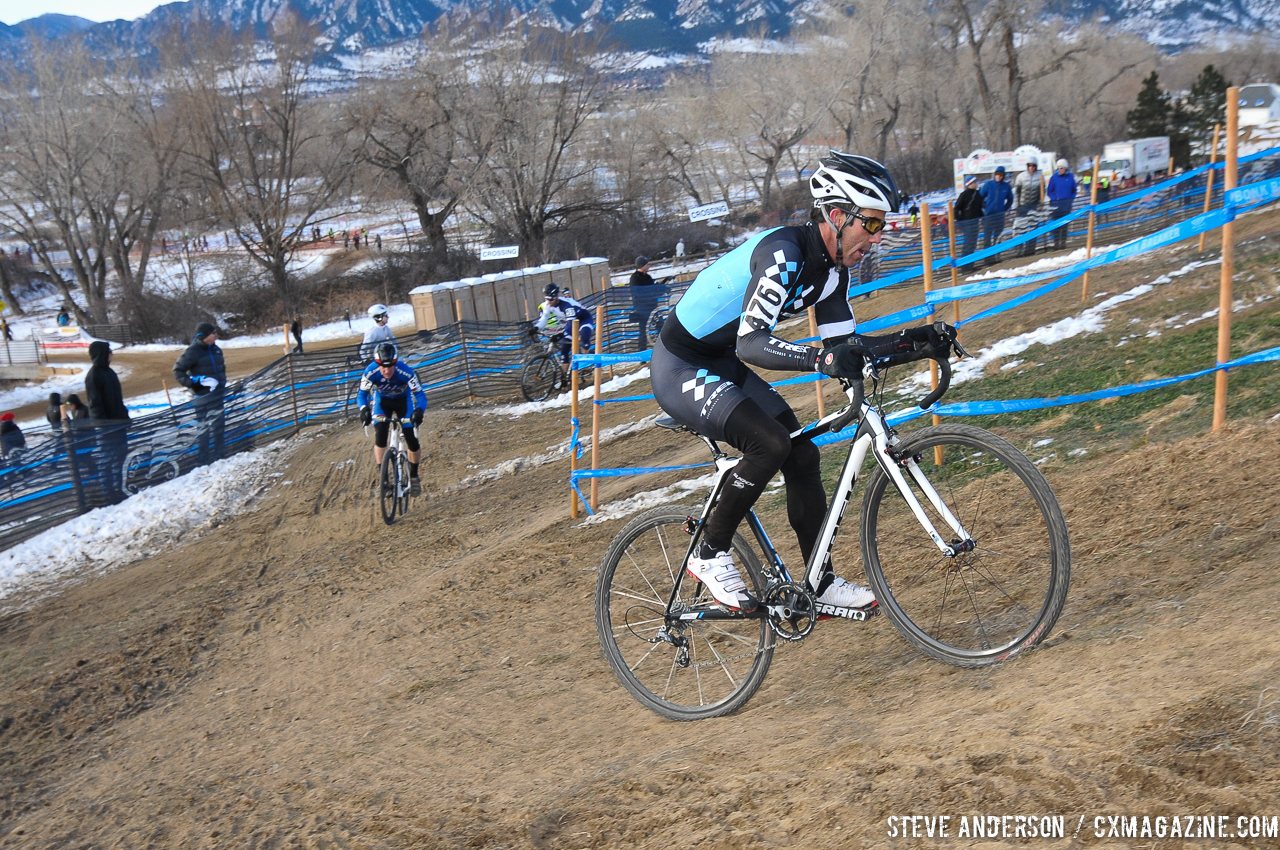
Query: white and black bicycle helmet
{"type": "Point", "coordinates": [847, 180]}
{"type": "Point", "coordinates": [377, 310]}
{"type": "Point", "coordinates": [551, 290]}
{"type": "Point", "coordinates": [385, 354]}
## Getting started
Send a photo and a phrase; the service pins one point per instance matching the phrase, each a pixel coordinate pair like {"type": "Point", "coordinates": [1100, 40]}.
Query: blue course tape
{"type": "Point", "coordinates": [581, 498]}
{"type": "Point", "coordinates": [574, 445]}
{"type": "Point", "coordinates": [1254, 194]}
{"type": "Point", "coordinates": [583, 361]}
{"type": "Point", "coordinates": [620, 472]}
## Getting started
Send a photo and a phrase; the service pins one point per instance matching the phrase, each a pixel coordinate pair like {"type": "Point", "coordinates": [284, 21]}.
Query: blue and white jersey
{"type": "Point", "coordinates": [735, 303]}
{"type": "Point", "coordinates": [403, 382]}
{"type": "Point", "coordinates": [559, 319]}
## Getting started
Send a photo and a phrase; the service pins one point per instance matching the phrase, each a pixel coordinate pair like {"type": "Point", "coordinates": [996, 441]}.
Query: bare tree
{"type": "Point", "coordinates": [410, 131]}
{"type": "Point", "coordinates": [257, 146]}
{"type": "Point", "coordinates": [78, 169]}
{"type": "Point", "coordinates": [541, 88]}
{"type": "Point", "coordinates": [770, 104]}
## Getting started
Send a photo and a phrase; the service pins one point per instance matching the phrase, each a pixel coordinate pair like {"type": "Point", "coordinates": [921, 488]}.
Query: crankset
{"type": "Point", "coordinates": [792, 610]}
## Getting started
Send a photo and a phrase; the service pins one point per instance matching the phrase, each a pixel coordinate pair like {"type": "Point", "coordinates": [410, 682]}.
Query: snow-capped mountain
{"type": "Point", "coordinates": [352, 27]}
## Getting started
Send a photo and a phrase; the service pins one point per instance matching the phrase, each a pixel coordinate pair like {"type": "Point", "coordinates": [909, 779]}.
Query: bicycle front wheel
{"type": "Point", "coordinates": [981, 606]}
{"type": "Point", "coordinates": [388, 496]}
{"type": "Point", "coordinates": [538, 380]}
{"type": "Point", "coordinates": [701, 668]}
{"type": "Point", "coordinates": [402, 482]}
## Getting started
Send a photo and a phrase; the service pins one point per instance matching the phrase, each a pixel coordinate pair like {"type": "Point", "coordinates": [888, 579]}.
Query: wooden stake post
{"type": "Point", "coordinates": [1088, 239]}
{"type": "Point", "coordinates": [817, 387]}
{"type": "Point", "coordinates": [1208, 182]}
{"type": "Point", "coordinates": [955, 273]}
{"type": "Point", "coordinates": [595, 409]}
{"type": "Point", "coordinates": [573, 414]}
{"type": "Point", "coordinates": [1228, 263]}
{"type": "Point", "coordinates": [926, 250]}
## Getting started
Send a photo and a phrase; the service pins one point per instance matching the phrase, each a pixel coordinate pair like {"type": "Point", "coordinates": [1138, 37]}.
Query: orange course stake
{"type": "Point", "coordinates": [573, 413]}
{"type": "Point", "coordinates": [1228, 263]}
{"type": "Point", "coordinates": [926, 250]}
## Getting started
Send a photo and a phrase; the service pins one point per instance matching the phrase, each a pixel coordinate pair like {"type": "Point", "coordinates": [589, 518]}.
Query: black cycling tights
{"type": "Point", "coordinates": [381, 431]}
{"type": "Point", "coordinates": [766, 448]}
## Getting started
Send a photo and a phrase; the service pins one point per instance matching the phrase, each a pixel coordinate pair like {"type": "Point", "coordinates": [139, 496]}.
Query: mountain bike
{"type": "Point", "coordinates": [152, 462]}
{"type": "Point", "coordinates": [394, 486]}
{"type": "Point", "coordinates": [962, 541]}
{"type": "Point", "coordinates": [544, 375]}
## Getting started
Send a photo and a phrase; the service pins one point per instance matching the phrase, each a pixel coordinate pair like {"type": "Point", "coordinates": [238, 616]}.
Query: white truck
{"type": "Point", "coordinates": [1136, 158]}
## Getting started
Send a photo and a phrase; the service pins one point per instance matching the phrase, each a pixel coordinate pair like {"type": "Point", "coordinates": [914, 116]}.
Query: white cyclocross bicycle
{"type": "Point", "coordinates": [394, 486]}
{"type": "Point", "coordinates": [962, 541]}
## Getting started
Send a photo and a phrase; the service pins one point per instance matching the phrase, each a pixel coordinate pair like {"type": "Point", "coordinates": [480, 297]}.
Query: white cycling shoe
{"type": "Point", "coordinates": [842, 593]}
{"type": "Point", "coordinates": [721, 577]}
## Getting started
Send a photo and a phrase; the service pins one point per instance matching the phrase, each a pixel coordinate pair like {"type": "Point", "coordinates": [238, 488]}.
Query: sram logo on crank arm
{"type": "Point", "coordinates": [857, 614]}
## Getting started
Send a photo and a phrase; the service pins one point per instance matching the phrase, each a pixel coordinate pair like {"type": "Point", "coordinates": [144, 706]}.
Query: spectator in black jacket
{"type": "Point", "coordinates": [202, 369]}
{"type": "Point", "coordinates": [110, 419]}
{"type": "Point", "coordinates": [53, 413]}
{"type": "Point", "coordinates": [644, 298]}
{"type": "Point", "coordinates": [968, 217]}
{"type": "Point", "coordinates": [76, 409]}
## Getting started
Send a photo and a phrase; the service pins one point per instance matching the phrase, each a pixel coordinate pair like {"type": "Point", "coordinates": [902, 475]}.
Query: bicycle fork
{"type": "Point", "coordinates": [893, 463]}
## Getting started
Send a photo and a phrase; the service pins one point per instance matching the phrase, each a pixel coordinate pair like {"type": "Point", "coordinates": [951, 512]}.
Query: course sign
{"type": "Point", "coordinates": [504, 252]}
{"type": "Point", "coordinates": [706, 211]}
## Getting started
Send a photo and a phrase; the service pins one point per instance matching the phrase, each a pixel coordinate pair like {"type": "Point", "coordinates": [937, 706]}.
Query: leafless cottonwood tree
{"type": "Point", "coordinates": [680, 133]}
{"type": "Point", "coordinates": [410, 132]}
{"type": "Point", "coordinates": [83, 166]}
{"type": "Point", "coordinates": [541, 89]}
{"type": "Point", "coordinates": [256, 146]}
{"type": "Point", "coordinates": [774, 101]}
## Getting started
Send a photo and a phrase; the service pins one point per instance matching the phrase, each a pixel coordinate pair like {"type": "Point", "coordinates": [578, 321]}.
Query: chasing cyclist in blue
{"type": "Point", "coordinates": [558, 313]}
{"type": "Point", "coordinates": [390, 388]}
{"type": "Point", "coordinates": [726, 320]}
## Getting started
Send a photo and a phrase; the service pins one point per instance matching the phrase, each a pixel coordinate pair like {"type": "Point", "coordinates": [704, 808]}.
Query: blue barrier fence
{"type": "Point", "coordinates": [1241, 200]}
{"type": "Point", "coordinates": [65, 474]}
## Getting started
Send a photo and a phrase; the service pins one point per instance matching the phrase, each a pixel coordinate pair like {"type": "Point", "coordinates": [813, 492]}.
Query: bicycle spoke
{"type": "Point", "coordinates": [660, 659]}
{"type": "Point", "coordinates": [985, 604]}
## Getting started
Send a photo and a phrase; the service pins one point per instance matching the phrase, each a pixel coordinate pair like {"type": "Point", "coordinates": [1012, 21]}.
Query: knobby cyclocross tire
{"type": "Point", "coordinates": [402, 482]}
{"type": "Point", "coordinates": [388, 499]}
{"type": "Point", "coordinates": [538, 380]}
{"type": "Point", "coordinates": [727, 659]}
{"type": "Point", "coordinates": [653, 328]}
{"type": "Point", "coordinates": [979, 607]}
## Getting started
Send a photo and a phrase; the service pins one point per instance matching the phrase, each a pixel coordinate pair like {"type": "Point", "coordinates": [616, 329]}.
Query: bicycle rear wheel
{"type": "Point", "coordinates": [653, 328]}
{"type": "Point", "coordinates": [982, 606]}
{"type": "Point", "coordinates": [538, 380]}
{"type": "Point", "coordinates": [388, 498]}
{"type": "Point", "coordinates": [726, 658]}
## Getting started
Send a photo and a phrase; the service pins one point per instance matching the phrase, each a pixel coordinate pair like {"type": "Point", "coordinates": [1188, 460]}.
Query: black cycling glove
{"type": "Point", "coordinates": [842, 361]}
{"type": "Point", "coordinates": [417, 417]}
{"type": "Point", "coordinates": [366, 415]}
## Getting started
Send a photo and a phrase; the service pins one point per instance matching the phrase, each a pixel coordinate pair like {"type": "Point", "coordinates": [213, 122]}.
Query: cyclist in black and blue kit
{"type": "Point", "coordinates": [390, 388]}
{"type": "Point", "coordinates": [558, 313]}
{"type": "Point", "coordinates": [726, 320]}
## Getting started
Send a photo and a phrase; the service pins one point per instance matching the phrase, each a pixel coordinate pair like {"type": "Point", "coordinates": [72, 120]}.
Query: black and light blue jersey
{"type": "Point", "coordinates": [735, 303]}
{"type": "Point", "coordinates": [404, 381]}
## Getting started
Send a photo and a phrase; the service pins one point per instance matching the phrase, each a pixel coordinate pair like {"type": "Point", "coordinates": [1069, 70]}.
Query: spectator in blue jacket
{"type": "Point", "coordinates": [997, 199]}
{"type": "Point", "coordinates": [1062, 195]}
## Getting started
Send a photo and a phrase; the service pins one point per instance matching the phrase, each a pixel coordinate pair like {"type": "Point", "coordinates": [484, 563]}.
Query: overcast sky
{"type": "Point", "coordinates": [13, 11]}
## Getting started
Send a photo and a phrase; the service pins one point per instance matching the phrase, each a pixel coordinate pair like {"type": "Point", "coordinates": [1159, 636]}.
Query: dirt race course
{"type": "Point", "coordinates": [305, 677]}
